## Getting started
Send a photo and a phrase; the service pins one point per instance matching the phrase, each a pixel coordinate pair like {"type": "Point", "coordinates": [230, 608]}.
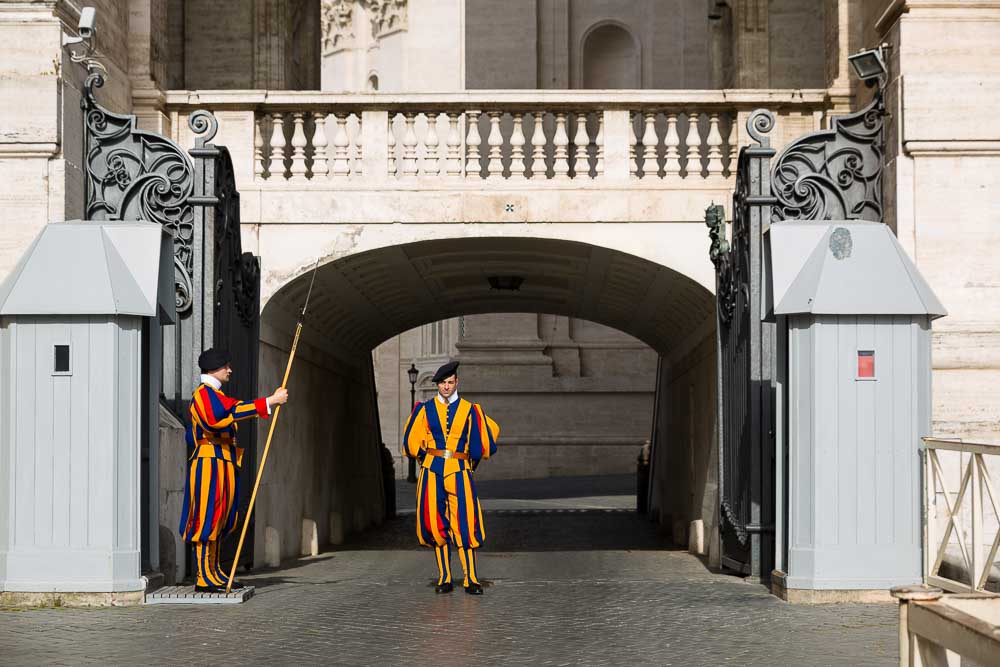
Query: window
{"type": "Point", "coordinates": [60, 360]}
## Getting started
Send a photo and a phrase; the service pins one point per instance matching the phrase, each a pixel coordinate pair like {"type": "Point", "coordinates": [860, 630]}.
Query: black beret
{"type": "Point", "coordinates": [445, 372]}
{"type": "Point", "coordinates": [212, 359]}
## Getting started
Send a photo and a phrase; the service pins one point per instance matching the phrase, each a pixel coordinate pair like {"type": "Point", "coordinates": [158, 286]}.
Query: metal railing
{"type": "Point", "coordinates": [961, 514]}
{"type": "Point", "coordinates": [648, 137]}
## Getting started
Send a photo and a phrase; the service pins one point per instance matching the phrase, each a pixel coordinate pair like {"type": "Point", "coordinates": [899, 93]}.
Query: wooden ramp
{"type": "Point", "coordinates": [187, 595]}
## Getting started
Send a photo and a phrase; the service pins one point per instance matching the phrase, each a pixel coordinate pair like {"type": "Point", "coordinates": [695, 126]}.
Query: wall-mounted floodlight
{"type": "Point", "coordinates": [869, 64]}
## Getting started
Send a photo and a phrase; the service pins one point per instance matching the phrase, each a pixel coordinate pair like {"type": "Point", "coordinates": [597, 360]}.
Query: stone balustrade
{"type": "Point", "coordinates": [647, 138]}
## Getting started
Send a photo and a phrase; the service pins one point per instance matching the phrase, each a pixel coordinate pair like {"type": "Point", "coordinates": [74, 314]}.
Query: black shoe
{"type": "Point", "coordinates": [209, 589]}
{"type": "Point", "coordinates": [237, 585]}
{"type": "Point", "coordinates": [474, 589]}
{"type": "Point", "coordinates": [446, 587]}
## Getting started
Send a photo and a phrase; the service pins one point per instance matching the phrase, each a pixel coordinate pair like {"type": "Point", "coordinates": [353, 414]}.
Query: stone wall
{"type": "Point", "coordinates": [325, 459]}
{"type": "Point", "coordinates": [685, 460]}
{"type": "Point", "coordinates": [942, 179]}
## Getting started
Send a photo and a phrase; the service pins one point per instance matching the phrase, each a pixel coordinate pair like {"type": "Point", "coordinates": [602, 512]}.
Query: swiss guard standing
{"type": "Point", "coordinates": [451, 436]}
{"type": "Point", "coordinates": [212, 491]}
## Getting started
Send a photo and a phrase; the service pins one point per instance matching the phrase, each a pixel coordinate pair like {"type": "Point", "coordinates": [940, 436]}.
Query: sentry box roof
{"type": "Point", "coordinates": [89, 268]}
{"type": "Point", "coordinates": [843, 268]}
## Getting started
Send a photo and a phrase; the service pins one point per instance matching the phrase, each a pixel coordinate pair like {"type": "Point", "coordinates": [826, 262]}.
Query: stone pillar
{"type": "Point", "coordinates": [502, 345]}
{"type": "Point", "coordinates": [844, 25]}
{"type": "Point", "coordinates": [750, 44]}
{"type": "Point", "coordinates": [147, 62]}
{"type": "Point", "coordinates": [941, 177]}
{"type": "Point", "coordinates": [270, 30]}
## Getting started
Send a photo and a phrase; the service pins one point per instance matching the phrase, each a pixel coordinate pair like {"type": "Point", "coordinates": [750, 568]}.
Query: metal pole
{"type": "Point", "coordinates": [411, 475]}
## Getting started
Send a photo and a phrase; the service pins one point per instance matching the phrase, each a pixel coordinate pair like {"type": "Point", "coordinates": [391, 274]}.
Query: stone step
{"type": "Point", "coordinates": [187, 595]}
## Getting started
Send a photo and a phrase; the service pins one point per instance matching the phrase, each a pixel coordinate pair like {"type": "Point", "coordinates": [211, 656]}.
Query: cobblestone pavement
{"type": "Point", "coordinates": [566, 587]}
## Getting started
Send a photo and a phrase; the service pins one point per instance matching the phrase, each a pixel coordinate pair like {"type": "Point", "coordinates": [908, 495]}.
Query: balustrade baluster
{"type": "Point", "coordinates": [518, 165]}
{"type": "Point", "coordinates": [341, 147]}
{"type": "Point", "coordinates": [258, 148]}
{"type": "Point", "coordinates": [410, 145]}
{"type": "Point", "coordinates": [693, 143]}
{"type": "Point", "coordinates": [560, 141]}
{"type": "Point", "coordinates": [650, 163]}
{"type": "Point", "coordinates": [633, 148]}
{"type": "Point", "coordinates": [472, 141]}
{"type": "Point", "coordinates": [729, 151]}
{"type": "Point", "coordinates": [581, 160]}
{"type": "Point", "coordinates": [432, 159]}
{"type": "Point", "coordinates": [299, 144]}
{"type": "Point", "coordinates": [321, 168]}
{"type": "Point", "coordinates": [453, 165]}
{"type": "Point", "coordinates": [714, 142]}
{"type": "Point", "coordinates": [278, 146]}
{"type": "Point", "coordinates": [599, 166]}
{"type": "Point", "coordinates": [538, 169]}
{"type": "Point", "coordinates": [356, 157]}
{"type": "Point", "coordinates": [391, 146]}
{"type": "Point", "coordinates": [495, 140]}
{"type": "Point", "coordinates": [672, 141]}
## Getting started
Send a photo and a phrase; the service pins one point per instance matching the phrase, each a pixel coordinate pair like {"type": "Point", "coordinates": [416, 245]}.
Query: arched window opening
{"type": "Point", "coordinates": [610, 58]}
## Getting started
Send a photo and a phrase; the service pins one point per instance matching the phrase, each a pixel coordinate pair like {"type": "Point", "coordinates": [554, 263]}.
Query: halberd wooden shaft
{"type": "Point", "coordinates": [263, 461]}
{"type": "Point", "coordinates": [270, 432]}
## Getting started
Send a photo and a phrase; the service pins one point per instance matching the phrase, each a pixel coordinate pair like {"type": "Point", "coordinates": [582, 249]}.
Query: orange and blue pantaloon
{"type": "Point", "coordinates": [449, 513]}
{"type": "Point", "coordinates": [212, 489]}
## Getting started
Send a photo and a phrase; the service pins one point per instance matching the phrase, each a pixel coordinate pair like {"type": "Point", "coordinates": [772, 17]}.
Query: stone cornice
{"type": "Point", "coordinates": [897, 8]}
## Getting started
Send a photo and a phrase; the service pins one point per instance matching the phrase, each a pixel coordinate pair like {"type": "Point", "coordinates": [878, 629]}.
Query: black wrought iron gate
{"type": "Point", "coordinates": [745, 363]}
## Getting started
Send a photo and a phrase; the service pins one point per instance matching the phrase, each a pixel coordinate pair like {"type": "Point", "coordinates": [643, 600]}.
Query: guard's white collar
{"type": "Point", "coordinates": [213, 382]}
{"type": "Point", "coordinates": [451, 399]}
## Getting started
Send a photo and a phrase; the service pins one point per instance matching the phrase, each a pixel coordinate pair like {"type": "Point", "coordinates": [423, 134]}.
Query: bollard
{"type": "Point", "coordinates": [642, 480]}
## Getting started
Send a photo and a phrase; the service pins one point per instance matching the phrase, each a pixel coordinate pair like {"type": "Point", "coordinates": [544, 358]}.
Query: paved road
{"type": "Point", "coordinates": [566, 587]}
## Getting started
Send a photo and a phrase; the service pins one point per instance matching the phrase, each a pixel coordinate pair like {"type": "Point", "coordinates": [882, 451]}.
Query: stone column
{"type": "Point", "coordinates": [147, 62]}
{"type": "Point", "coordinates": [750, 44]}
{"type": "Point", "coordinates": [502, 345]}
{"type": "Point", "coordinates": [844, 25]}
{"type": "Point", "coordinates": [270, 30]}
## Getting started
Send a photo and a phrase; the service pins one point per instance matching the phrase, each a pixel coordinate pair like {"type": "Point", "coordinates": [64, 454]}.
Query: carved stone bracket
{"type": "Point", "coordinates": [834, 174]}
{"type": "Point", "coordinates": [132, 174]}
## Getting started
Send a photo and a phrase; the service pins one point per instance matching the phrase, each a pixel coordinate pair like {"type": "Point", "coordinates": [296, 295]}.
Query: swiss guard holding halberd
{"type": "Point", "coordinates": [450, 436]}
{"type": "Point", "coordinates": [212, 493]}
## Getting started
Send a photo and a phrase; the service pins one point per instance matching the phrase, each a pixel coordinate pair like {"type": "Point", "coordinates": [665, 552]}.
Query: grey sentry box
{"type": "Point", "coordinates": [854, 369]}
{"type": "Point", "coordinates": [72, 315]}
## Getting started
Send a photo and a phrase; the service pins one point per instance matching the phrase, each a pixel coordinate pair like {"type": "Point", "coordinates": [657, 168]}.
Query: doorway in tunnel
{"type": "Point", "coordinates": [580, 351]}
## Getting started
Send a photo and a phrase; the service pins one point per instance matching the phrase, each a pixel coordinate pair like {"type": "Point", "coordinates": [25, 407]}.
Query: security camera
{"type": "Point", "coordinates": [86, 27]}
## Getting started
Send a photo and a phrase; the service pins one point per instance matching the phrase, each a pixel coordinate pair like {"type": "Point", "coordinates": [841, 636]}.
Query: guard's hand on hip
{"type": "Point", "coordinates": [279, 397]}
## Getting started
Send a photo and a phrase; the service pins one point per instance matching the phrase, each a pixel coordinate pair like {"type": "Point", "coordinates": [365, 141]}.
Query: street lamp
{"type": "Point", "coordinates": [411, 475]}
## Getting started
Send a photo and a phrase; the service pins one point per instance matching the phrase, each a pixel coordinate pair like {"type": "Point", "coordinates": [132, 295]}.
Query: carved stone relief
{"type": "Point", "coordinates": [385, 16]}
{"type": "Point", "coordinates": [338, 25]}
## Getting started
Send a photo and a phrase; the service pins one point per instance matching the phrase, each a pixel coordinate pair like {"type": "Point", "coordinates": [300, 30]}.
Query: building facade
{"type": "Point", "coordinates": [452, 101]}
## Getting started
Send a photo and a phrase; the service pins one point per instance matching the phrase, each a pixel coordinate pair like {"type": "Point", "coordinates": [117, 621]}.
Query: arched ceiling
{"type": "Point", "coordinates": [364, 299]}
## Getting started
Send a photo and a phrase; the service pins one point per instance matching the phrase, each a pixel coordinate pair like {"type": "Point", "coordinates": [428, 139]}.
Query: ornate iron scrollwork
{"type": "Point", "coordinates": [834, 174]}
{"type": "Point", "coordinates": [132, 174]}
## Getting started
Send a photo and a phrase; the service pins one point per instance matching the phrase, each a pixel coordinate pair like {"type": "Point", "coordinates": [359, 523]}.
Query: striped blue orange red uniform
{"type": "Point", "coordinates": [212, 490]}
{"type": "Point", "coordinates": [448, 509]}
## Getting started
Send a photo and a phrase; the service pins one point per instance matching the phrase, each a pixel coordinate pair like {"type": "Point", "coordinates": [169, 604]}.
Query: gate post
{"type": "Point", "coordinates": [746, 363]}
